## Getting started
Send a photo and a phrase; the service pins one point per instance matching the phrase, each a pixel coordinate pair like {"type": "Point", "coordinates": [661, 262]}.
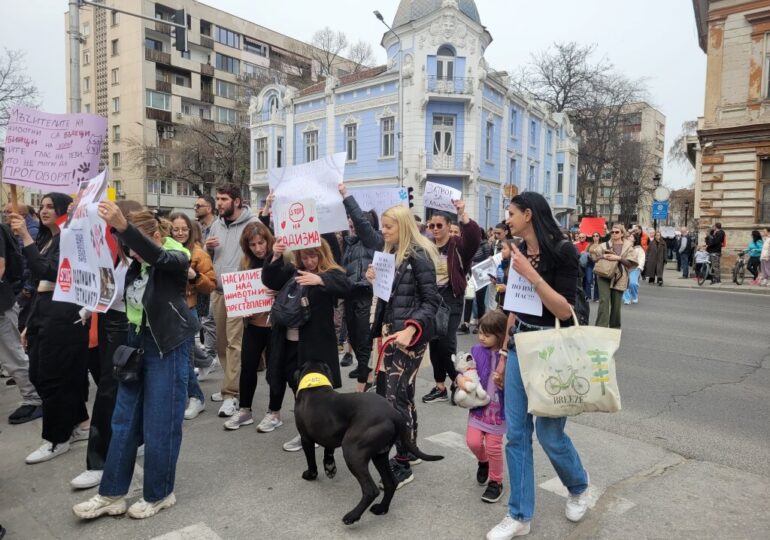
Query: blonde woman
{"type": "Point", "coordinates": [611, 288]}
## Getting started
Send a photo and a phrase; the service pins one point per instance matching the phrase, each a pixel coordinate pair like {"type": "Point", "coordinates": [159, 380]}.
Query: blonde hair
{"type": "Point", "coordinates": [147, 223]}
{"type": "Point", "coordinates": [409, 236]}
{"type": "Point", "coordinates": [326, 260]}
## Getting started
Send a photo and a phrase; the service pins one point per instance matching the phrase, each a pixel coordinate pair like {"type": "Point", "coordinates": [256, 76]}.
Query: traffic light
{"type": "Point", "coordinates": [180, 34]}
{"type": "Point", "coordinates": [410, 191]}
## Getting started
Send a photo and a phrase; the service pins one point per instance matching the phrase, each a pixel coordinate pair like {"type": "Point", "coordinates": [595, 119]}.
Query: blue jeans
{"type": "Point", "coordinates": [149, 411]}
{"type": "Point", "coordinates": [588, 282]}
{"type": "Point", "coordinates": [632, 292]}
{"type": "Point", "coordinates": [684, 259]}
{"type": "Point", "coordinates": [518, 449]}
{"type": "Point", "coordinates": [193, 387]}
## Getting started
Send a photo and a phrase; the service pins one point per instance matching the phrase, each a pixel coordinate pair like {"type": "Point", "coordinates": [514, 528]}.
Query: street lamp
{"type": "Point", "coordinates": [400, 99]}
{"type": "Point", "coordinates": [686, 211]}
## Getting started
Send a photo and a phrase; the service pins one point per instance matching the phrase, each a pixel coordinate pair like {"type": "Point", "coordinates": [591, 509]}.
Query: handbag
{"type": "Point", "coordinates": [568, 371]}
{"type": "Point", "coordinates": [127, 364]}
{"type": "Point", "coordinates": [604, 268]}
{"type": "Point", "coordinates": [442, 319]}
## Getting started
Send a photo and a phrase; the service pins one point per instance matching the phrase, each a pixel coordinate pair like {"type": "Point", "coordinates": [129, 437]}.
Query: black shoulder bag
{"type": "Point", "coordinates": [128, 362]}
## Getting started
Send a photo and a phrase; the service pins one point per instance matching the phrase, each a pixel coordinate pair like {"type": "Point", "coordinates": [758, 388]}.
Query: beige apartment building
{"type": "Point", "coordinates": [732, 154]}
{"type": "Point", "coordinates": [131, 73]}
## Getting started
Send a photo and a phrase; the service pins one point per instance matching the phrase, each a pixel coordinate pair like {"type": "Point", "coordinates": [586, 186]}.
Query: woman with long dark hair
{"type": "Point", "coordinates": [57, 348]}
{"type": "Point", "coordinates": [754, 252]}
{"type": "Point", "coordinates": [550, 264]}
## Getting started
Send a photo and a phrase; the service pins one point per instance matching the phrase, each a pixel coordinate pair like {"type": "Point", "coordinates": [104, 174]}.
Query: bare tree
{"type": "Point", "coordinates": [633, 172]}
{"type": "Point", "coordinates": [361, 54]}
{"type": "Point", "coordinates": [327, 46]}
{"type": "Point", "coordinates": [677, 152]}
{"type": "Point", "coordinates": [16, 88]}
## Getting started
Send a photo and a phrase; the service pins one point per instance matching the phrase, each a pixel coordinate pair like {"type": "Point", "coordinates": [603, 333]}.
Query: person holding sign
{"type": "Point", "coordinates": [57, 348]}
{"type": "Point", "coordinates": [455, 254]}
{"type": "Point", "coordinates": [550, 263]}
{"type": "Point", "coordinates": [150, 410]}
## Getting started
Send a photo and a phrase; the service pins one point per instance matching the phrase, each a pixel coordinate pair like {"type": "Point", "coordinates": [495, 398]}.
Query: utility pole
{"type": "Point", "coordinates": [73, 104]}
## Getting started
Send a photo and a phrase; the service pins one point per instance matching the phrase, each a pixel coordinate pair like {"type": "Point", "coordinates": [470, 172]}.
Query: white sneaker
{"type": "Point", "coordinates": [243, 418]}
{"type": "Point", "coordinates": [229, 407]}
{"type": "Point", "coordinates": [79, 434]}
{"type": "Point", "coordinates": [142, 509]}
{"type": "Point", "coordinates": [204, 373]}
{"type": "Point", "coordinates": [87, 479]}
{"type": "Point", "coordinates": [47, 451]}
{"type": "Point", "coordinates": [294, 445]}
{"type": "Point", "coordinates": [577, 505]}
{"type": "Point", "coordinates": [98, 506]}
{"type": "Point", "coordinates": [194, 408]}
{"type": "Point", "coordinates": [217, 397]}
{"type": "Point", "coordinates": [508, 528]}
{"type": "Point", "coordinates": [271, 421]}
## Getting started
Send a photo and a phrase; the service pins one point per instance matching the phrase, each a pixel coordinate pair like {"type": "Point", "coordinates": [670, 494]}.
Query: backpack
{"type": "Point", "coordinates": [582, 310]}
{"type": "Point", "coordinates": [14, 262]}
{"type": "Point", "coordinates": [291, 308]}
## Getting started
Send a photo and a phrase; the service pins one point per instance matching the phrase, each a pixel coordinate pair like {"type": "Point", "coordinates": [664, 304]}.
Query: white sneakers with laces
{"type": "Point", "coordinates": [271, 421]}
{"type": "Point", "coordinates": [79, 434]}
{"type": "Point", "coordinates": [194, 408]}
{"type": "Point", "coordinates": [46, 452]}
{"type": "Point", "coordinates": [217, 396]}
{"type": "Point", "coordinates": [229, 407]}
{"type": "Point", "coordinates": [508, 528]}
{"type": "Point", "coordinates": [87, 479]}
{"type": "Point", "coordinates": [142, 509]}
{"type": "Point", "coordinates": [242, 418]}
{"type": "Point", "coordinates": [577, 505]}
{"type": "Point", "coordinates": [98, 506]}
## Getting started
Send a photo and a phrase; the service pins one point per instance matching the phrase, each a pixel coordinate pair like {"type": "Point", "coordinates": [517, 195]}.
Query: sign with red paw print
{"type": "Point", "coordinates": [296, 224]}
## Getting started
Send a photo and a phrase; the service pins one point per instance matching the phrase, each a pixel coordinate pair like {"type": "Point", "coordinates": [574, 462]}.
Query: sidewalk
{"type": "Point", "coordinates": [672, 278]}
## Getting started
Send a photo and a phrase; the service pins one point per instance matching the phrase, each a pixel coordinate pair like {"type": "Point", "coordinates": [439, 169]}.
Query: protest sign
{"type": "Point", "coordinates": [520, 295]}
{"type": "Point", "coordinates": [380, 199]}
{"type": "Point", "coordinates": [86, 273]}
{"type": "Point", "coordinates": [52, 152]}
{"type": "Point", "coordinates": [441, 197]}
{"type": "Point", "coordinates": [668, 232]}
{"type": "Point", "coordinates": [296, 224]}
{"type": "Point", "coordinates": [483, 273]}
{"type": "Point", "coordinates": [591, 225]}
{"type": "Point", "coordinates": [245, 294]}
{"type": "Point", "coordinates": [317, 180]}
{"type": "Point", "coordinates": [384, 265]}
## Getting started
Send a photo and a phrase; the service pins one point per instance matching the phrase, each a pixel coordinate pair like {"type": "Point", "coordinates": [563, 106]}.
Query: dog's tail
{"type": "Point", "coordinates": [412, 447]}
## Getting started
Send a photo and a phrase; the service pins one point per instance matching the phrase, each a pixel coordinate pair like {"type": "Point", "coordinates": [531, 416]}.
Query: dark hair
{"type": "Point", "coordinates": [449, 218]}
{"type": "Point", "coordinates": [718, 225]}
{"type": "Point", "coordinates": [756, 236]}
{"type": "Point", "coordinates": [61, 203]}
{"type": "Point", "coordinates": [546, 228]}
{"type": "Point", "coordinates": [417, 218]}
{"type": "Point", "coordinates": [494, 323]}
{"type": "Point", "coordinates": [231, 190]}
{"type": "Point", "coordinates": [210, 201]}
{"type": "Point", "coordinates": [371, 215]}
{"type": "Point", "coordinates": [502, 226]}
{"type": "Point", "coordinates": [255, 228]}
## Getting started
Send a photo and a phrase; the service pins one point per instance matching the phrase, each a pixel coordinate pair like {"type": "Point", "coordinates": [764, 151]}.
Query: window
{"type": "Point", "coordinates": [487, 211]}
{"type": "Point", "coordinates": [116, 105]}
{"type": "Point", "coordinates": [183, 189]}
{"type": "Point", "coordinates": [118, 185]}
{"type": "Point", "coordinates": [261, 153]}
{"type": "Point", "coordinates": [254, 47]}
{"type": "Point", "coordinates": [158, 100]}
{"type": "Point", "coordinates": [254, 71]}
{"type": "Point", "coordinates": [182, 80]}
{"type": "Point", "coordinates": [445, 63]}
{"type": "Point", "coordinates": [229, 64]}
{"type": "Point", "coordinates": [226, 116]}
{"type": "Point", "coordinates": [531, 178]}
{"type": "Point", "coordinates": [513, 172]}
{"type": "Point", "coordinates": [489, 141]}
{"type": "Point", "coordinates": [86, 84]}
{"type": "Point", "coordinates": [560, 178]}
{"type": "Point", "coordinates": [549, 142]}
{"type": "Point", "coordinates": [572, 180]}
{"type": "Point", "coordinates": [114, 18]}
{"type": "Point", "coordinates": [205, 28]}
{"type": "Point", "coordinates": [351, 142]}
{"type": "Point", "coordinates": [279, 151]}
{"type": "Point", "coordinates": [443, 138]}
{"type": "Point", "coordinates": [547, 187]}
{"type": "Point", "coordinates": [311, 146]}
{"type": "Point", "coordinates": [763, 216]}
{"type": "Point", "coordinates": [114, 47]}
{"type": "Point", "coordinates": [86, 30]}
{"type": "Point", "coordinates": [116, 133]}
{"type": "Point", "coordinates": [513, 122]}
{"type": "Point", "coordinates": [87, 108]}
{"type": "Point", "coordinates": [86, 57]}
{"type": "Point", "coordinates": [388, 128]}
{"type": "Point", "coordinates": [165, 186]}
{"type": "Point", "coordinates": [115, 76]}
{"type": "Point", "coordinates": [532, 133]}
{"type": "Point", "coordinates": [116, 160]}
{"type": "Point", "coordinates": [228, 37]}
{"type": "Point", "coordinates": [153, 44]}
{"type": "Point", "coordinates": [226, 89]}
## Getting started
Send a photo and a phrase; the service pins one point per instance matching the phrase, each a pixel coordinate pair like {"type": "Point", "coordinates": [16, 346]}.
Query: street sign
{"type": "Point", "coordinates": [660, 210]}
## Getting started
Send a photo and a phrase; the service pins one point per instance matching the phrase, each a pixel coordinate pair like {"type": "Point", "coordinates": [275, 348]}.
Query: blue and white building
{"type": "Point", "coordinates": [464, 125]}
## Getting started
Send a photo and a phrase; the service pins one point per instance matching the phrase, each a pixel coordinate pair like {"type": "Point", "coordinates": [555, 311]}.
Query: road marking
{"type": "Point", "coordinates": [451, 439]}
{"type": "Point", "coordinates": [198, 531]}
{"type": "Point", "coordinates": [618, 506]}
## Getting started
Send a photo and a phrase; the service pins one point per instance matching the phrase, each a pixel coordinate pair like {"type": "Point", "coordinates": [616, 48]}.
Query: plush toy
{"type": "Point", "coordinates": [472, 393]}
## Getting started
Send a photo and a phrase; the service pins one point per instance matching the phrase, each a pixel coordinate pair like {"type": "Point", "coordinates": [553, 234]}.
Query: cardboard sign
{"type": "Point", "coordinates": [441, 197]}
{"type": "Point", "coordinates": [296, 224]}
{"type": "Point", "coordinates": [245, 294]}
{"type": "Point", "coordinates": [380, 199]}
{"type": "Point", "coordinates": [480, 274]}
{"type": "Point", "coordinates": [591, 225]}
{"type": "Point", "coordinates": [52, 152]}
{"type": "Point", "coordinates": [317, 180]}
{"type": "Point", "coordinates": [86, 274]}
{"type": "Point", "coordinates": [384, 265]}
{"type": "Point", "coordinates": [520, 295]}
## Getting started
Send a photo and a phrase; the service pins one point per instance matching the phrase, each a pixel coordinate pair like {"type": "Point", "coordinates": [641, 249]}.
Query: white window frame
{"type": "Point", "coordinates": [490, 135]}
{"type": "Point", "coordinates": [512, 127]}
{"type": "Point", "coordinates": [86, 84]}
{"type": "Point", "coordinates": [116, 160]}
{"type": "Point", "coordinates": [115, 75]}
{"type": "Point", "coordinates": [388, 137]}
{"type": "Point", "coordinates": [183, 189]}
{"type": "Point", "coordinates": [351, 143]}
{"type": "Point", "coordinates": [512, 172]}
{"type": "Point", "coordinates": [115, 47]}
{"type": "Point", "coordinates": [260, 153]}
{"type": "Point", "coordinates": [115, 105]}
{"type": "Point", "coordinates": [152, 96]}
{"type": "Point", "coordinates": [310, 139]}
{"type": "Point", "coordinates": [116, 133]}
{"type": "Point", "coordinates": [532, 132]}
{"type": "Point", "coordinates": [531, 180]}
{"type": "Point", "coordinates": [560, 178]}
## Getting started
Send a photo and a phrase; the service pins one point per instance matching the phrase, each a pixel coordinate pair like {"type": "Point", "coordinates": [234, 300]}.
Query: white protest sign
{"type": "Point", "coordinates": [380, 199]}
{"type": "Point", "coordinates": [480, 274]}
{"type": "Point", "coordinates": [296, 225]}
{"type": "Point", "coordinates": [668, 232]}
{"type": "Point", "coordinates": [441, 197]}
{"type": "Point", "coordinates": [53, 152]}
{"type": "Point", "coordinates": [384, 265]}
{"type": "Point", "coordinates": [86, 274]}
{"type": "Point", "coordinates": [317, 180]}
{"type": "Point", "coordinates": [245, 294]}
{"type": "Point", "coordinates": [520, 295]}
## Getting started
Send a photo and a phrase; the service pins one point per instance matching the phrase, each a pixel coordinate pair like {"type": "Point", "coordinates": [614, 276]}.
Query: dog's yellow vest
{"type": "Point", "coordinates": [313, 380]}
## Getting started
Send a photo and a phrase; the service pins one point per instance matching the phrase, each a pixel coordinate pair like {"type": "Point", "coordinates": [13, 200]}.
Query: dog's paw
{"type": "Point", "coordinates": [350, 518]}
{"type": "Point", "coordinates": [310, 475]}
{"type": "Point", "coordinates": [379, 509]}
{"type": "Point", "coordinates": [331, 468]}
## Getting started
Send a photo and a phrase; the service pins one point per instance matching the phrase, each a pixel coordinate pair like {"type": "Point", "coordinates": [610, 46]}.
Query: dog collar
{"type": "Point", "coordinates": [313, 380]}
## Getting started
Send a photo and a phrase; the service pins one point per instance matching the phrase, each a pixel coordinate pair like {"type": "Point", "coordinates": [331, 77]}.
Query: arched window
{"type": "Point", "coordinates": [445, 63]}
{"type": "Point", "coordinates": [272, 103]}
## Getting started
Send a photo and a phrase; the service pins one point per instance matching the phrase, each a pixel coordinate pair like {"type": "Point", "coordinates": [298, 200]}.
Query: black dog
{"type": "Point", "coordinates": [365, 425]}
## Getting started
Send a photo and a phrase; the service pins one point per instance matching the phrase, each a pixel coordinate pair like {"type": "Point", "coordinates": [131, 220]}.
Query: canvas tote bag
{"type": "Point", "coordinates": [568, 371]}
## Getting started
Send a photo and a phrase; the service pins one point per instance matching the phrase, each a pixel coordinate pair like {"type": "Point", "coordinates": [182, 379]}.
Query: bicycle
{"type": "Point", "coordinates": [705, 272]}
{"type": "Point", "coordinates": [554, 384]}
{"type": "Point", "coordinates": [739, 270]}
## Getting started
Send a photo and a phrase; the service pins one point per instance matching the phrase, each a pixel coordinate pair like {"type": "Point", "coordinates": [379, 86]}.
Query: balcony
{"type": "Point", "coordinates": [163, 86]}
{"type": "Point", "coordinates": [207, 70]}
{"type": "Point", "coordinates": [151, 55]}
{"type": "Point", "coordinates": [443, 162]}
{"type": "Point", "coordinates": [450, 85]}
{"type": "Point", "coordinates": [207, 97]}
{"type": "Point", "coordinates": [207, 42]}
{"type": "Point", "coordinates": [157, 114]}
{"type": "Point", "coordinates": [268, 116]}
{"type": "Point", "coordinates": [163, 28]}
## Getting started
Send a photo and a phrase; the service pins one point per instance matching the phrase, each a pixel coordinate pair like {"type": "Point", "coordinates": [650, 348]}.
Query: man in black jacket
{"type": "Point", "coordinates": [714, 242]}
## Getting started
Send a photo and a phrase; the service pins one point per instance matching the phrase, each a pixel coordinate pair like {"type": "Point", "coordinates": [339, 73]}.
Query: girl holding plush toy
{"type": "Point", "coordinates": [486, 423]}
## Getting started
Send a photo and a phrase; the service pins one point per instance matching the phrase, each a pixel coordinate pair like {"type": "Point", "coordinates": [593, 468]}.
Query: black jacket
{"type": "Point", "coordinates": [165, 306]}
{"type": "Point", "coordinates": [317, 338]}
{"type": "Point", "coordinates": [358, 254]}
{"type": "Point", "coordinates": [714, 241]}
{"type": "Point", "coordinates": [482, 253]}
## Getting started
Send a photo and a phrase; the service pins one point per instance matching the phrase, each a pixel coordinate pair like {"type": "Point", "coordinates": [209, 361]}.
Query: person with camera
{"type": "Point", "coordinates": [152, 388]}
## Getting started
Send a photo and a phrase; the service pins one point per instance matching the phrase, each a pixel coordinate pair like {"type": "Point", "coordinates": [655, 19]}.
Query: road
{"type": "Point", "coordinates": [686, 457]}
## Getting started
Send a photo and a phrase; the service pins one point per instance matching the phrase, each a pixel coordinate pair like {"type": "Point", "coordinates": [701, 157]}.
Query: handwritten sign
{"type": "Point", "coordinates": [317, 180]}
{"type": "Point", "coordinates": [480, 273]}
{"type": "Point", "coordinates": [296, 224]}
{"type": "Point", "coordinates": [54, 152]}
{"type": "Point", "coordinates": [384, 265]}
{"type": "Point", "coordinates": [520, 296]}
{"type": "Point", "coordinates": [380, 199]}
{"type": "Point", "coordinates": [441, 197]}
{"type": "Point", "coordinates": [245, 294]}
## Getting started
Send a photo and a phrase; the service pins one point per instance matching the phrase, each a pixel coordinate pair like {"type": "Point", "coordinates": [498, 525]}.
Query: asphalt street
{"type": "Point", "coordinates": [687, 457]}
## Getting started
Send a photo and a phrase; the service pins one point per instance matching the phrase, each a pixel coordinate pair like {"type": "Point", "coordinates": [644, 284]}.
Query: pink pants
{"type": "Point", "coordinates": [487, 447]}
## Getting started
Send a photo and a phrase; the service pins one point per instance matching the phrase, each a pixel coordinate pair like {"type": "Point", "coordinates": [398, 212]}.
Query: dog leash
{"type": "Point", "coordinates": [381, 351]}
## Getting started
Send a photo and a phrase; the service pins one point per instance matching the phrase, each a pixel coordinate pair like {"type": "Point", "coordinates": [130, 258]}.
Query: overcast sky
{"type": "Point", "coordinates": [655, 40]}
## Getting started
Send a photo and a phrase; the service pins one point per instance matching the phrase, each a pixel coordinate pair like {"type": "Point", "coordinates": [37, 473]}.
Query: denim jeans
{"type": "Point", "coordinates": [151, 412]}
{"type": "Point", "coordinates": [588, 282]}
{"type": "Point", "coordinates": [193, 387]}
{"type": "Point", "coordinates": [518, 449]}
{"type": "Point", "coordinates": [684, 262]}
{"type": "Point", "coordinates": [632, 292]}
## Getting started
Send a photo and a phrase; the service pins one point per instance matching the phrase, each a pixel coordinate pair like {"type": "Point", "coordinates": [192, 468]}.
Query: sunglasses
{"type": "Point", "coordinates": [615, 232]}
{"type": "Point", "coordinates": [438, 226]}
